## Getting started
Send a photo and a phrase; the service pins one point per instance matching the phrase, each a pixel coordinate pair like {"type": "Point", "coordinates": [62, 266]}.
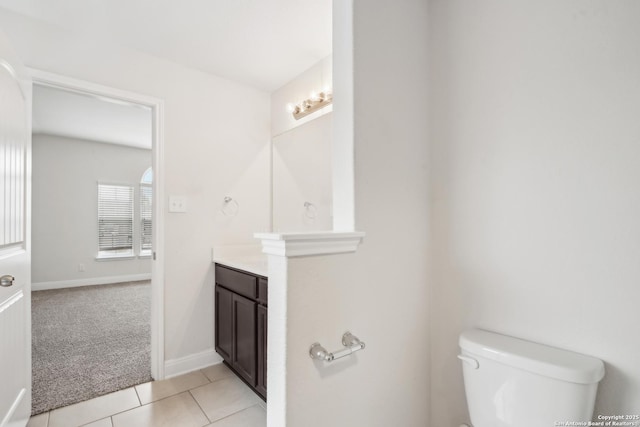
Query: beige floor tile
{"type": "Point", "coordinates": [105, 422]}
{"type": "Point", "coordinates": [95, 409]}
{"type": "Point", "coordinates": [254, 416]}
{"type": "Point", "coordinates": [218, 372]}
{"type": "Point", "coordinates": [40, 420]}
{"type": "Point", "coordinates": [180, 410]}
{"type": "Point", "coordinates": [224, 397]}
{"type": "Point", "coordinates": [156, 390]}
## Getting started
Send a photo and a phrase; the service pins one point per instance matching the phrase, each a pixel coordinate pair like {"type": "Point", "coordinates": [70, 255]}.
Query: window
{"type": "Point", "coordinates": [146, 204]}
{"type": "Point", "coordinates": [115, 221]}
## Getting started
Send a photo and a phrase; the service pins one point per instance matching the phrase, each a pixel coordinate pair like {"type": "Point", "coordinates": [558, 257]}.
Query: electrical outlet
{"type": "Point", "coordinates": [81, 267]}
{"type": "Point", "coordinates": [177, 204]}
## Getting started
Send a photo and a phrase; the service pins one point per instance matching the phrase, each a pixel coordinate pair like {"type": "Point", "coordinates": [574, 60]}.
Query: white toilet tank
{"type": "Point", "coordinates": [511, 382]}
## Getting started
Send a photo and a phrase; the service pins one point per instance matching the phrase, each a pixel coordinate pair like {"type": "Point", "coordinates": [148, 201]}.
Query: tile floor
{"type": "Point", "coordinates": [209, 397]}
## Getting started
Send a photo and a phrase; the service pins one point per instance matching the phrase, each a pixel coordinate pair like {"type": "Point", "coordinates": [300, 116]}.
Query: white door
{"type": "Point", "coordinates": [15, 274]}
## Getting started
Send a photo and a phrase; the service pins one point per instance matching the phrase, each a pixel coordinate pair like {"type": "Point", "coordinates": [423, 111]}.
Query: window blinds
{"type": "Point", "coordinates": [146, 200]}
{"type": "Point", "coordinates": [115, 218]}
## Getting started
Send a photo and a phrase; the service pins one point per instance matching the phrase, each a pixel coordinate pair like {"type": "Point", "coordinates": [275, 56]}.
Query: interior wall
{"type": "Point", "coordinates": [301, 155]}
{"type": "Point", "coordinates": [66, 172]}
{"type": "Point", "coordinates": [217, 136]}
{"type": "Point", "coordinates": [301, 170]}
{"type": "Point", "coordinates": [536, 186]}
{"type": "Point", "coordinates": [379, 293]}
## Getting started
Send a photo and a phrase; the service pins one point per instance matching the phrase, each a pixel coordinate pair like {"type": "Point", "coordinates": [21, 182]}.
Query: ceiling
{"type": "Point", "coordinates": [63, 113]}
{"type": "Point", "coordinates": [261, 43]}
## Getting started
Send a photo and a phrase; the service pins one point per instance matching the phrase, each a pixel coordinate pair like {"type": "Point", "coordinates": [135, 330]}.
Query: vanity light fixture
{"type": "Point", "coordinates": [310, 105]}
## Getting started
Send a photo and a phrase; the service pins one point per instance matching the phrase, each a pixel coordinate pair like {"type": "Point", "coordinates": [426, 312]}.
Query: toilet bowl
{"type": "Point", "coordinates": [510, 382]}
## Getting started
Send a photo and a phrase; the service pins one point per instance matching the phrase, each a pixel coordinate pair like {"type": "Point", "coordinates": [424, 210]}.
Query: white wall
{"type": "Point", "coordinates": [379, 293]}
{"type": "Point", "coordinates": [65, 204]}
{"type": "Point", "coordinates": [216, 144]}
{"type": "Point", "coordinates": [536, 181]}
{"type": "Point", "coordinates": [301, 154]}
{"type": "Point", "coordinates": [301, 170]}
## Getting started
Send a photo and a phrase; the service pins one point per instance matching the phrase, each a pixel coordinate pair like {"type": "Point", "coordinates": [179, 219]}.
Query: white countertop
{"type": "Point", "coordinates": [243, 257]}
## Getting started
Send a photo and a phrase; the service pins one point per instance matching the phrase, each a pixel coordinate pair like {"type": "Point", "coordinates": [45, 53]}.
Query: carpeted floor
{"type": "Point", "coordinates": [89, 341]}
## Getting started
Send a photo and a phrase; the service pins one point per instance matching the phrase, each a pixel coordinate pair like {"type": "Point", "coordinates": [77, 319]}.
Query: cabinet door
{"type": "Point", "coordinates": [261, 385]}
{"type": "Point", "coordinates": [244, 339]}
{"type": "Point", "coordinates": [263, 291]}
{"type": "Point", "coordinates": [224, 323]}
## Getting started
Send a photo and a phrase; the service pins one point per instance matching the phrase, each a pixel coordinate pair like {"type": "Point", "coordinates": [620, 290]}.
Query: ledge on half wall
{"type": "Point", "coordinates": [309, 244]}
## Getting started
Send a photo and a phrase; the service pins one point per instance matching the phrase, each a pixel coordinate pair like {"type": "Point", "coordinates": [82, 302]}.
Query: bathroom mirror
{"type": "Point", "coordinates": [301, 167]}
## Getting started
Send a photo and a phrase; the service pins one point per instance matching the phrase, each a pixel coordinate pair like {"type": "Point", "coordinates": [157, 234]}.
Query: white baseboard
{"type": "Point", "coordinates": [192, 362]}
{"type": "Point", "coordinates": [41, 286]}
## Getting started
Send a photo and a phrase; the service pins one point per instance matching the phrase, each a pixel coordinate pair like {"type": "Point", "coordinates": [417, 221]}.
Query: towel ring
{"type": "Point", "coordinates": [310, 210]}
{"type": "Point", "coordinates": [230, 207]}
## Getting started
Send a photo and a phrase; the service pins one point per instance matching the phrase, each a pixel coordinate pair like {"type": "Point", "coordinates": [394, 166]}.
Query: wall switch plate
{"type": "Point", "coordinates": [177, 204]}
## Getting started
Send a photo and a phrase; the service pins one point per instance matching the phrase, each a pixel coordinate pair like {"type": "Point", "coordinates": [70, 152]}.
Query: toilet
{"type": "Point", "coordinates": [510, 382]}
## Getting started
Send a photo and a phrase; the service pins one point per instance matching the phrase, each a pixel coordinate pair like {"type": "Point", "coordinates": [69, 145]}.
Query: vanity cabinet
{"type": "Point", "coordinates": [241, 324]}
{"type": "Point", "coordinates": [261, 379]}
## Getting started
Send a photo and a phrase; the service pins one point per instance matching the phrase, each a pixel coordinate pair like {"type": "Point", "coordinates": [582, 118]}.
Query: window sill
{"type": "Point", "coordinates": [115, 257]}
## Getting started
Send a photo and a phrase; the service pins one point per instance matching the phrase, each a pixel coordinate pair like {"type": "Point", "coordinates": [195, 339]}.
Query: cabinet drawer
{"type": "Point", "coordinates": [236, 281]}
{"type": "Point", "coordinates": [262, 290]}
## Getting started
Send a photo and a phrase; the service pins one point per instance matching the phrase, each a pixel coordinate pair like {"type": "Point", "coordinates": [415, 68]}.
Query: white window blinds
{"type": "Point", "coordinates": [146, 200]}
{"type": "Point", "coordinates": [115, 220]}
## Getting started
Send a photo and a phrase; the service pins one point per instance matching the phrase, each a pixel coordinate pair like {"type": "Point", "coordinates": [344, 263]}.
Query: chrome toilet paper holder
{"type": "Point", "coordinates": [349, 341]}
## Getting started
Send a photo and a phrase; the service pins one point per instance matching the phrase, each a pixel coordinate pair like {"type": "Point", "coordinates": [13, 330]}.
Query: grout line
{"type": "Point", "coordinates": [198, 403]}
{"type": "Point", "coordinates": [100, 419]}
{"type": "Point", "coordinates": [237, 412]}
{"type": "Point", "coordinates": [120, 412]}
{"type": "Point", "coordinates": [137, 395]}
{"type": "Point", "coordinates": [231, 375]}
{"type": "Point", "coordinates": [217, 379]}
{"type": "Point", "coordinates": [205, 375]}
{"type": "Point", "coordinates": [243, 409]}
{"type": "Point", "coordinates": [160, 400]}
{"type": "Point", "coordinates": [175, 392]}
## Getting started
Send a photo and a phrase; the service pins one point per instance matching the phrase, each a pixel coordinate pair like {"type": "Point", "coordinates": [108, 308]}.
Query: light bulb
{"type": "Point", "coordinates": [291, 108]}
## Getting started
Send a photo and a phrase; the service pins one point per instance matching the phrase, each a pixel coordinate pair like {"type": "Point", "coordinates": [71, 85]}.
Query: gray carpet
{"type": "Point", "coordinates": [89, 341]}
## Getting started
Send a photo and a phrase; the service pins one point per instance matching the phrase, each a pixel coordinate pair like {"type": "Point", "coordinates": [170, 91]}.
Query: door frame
{"type": "Point", "coordinates": [45, 78]}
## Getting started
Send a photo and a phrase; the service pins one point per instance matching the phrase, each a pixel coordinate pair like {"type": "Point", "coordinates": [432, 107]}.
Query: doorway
{"type": "Point", "coordinates": [43, 79]}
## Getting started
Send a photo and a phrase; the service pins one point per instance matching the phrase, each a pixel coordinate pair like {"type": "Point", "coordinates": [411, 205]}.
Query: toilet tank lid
{"type": "Point", "coordinates": [533, 357]}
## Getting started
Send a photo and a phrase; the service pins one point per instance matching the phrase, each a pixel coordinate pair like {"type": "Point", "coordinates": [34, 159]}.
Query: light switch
{"type": "Point", "coordinates": [177, 204]}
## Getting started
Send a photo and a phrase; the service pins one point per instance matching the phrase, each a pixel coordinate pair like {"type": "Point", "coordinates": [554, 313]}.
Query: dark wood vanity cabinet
{"type": "Point", "coordinates": [261, 379]}
{"type": "Point", "coordinates": [224, 322]}
{"type": "Point", "coordinates": [241, 324]}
